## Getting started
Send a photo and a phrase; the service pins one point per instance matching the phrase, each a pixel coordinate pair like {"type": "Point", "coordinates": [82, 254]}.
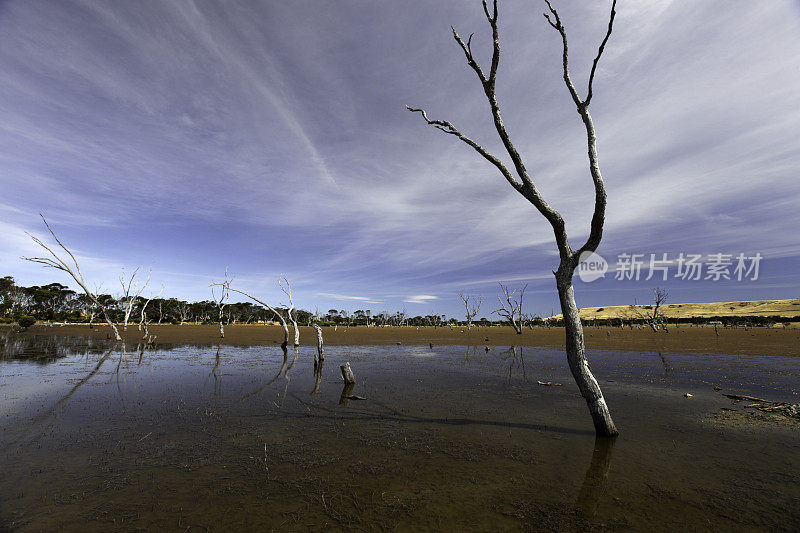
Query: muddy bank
{"type": "Point", "coordinates": [753, 341]}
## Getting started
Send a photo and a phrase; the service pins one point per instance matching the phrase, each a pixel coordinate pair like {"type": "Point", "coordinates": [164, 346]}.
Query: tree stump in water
{"type": "Point", "coordinates": [347, 374]}
{"type": "Point", "coordinates": [320, 349]}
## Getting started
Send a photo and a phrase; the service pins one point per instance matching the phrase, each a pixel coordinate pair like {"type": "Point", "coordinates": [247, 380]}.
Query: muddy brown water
{"type": "Point", "coordinates": [196, 437]}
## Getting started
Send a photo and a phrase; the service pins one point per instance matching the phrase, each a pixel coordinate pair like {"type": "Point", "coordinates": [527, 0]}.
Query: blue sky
{"type": "Point", "coordinates": [272, 138]}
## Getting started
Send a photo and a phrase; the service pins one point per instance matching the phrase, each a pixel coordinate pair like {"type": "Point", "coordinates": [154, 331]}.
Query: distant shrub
{"type": "Point", "coordinates": [26, 321]}
{"type": "Point", "coordinates": [599, 309]}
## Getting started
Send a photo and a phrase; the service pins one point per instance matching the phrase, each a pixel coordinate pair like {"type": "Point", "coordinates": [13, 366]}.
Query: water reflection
{"type": "Point", "coordinates": [274, 379]}
{"type": "Point", "coordinates": [319, 364]}
{"type": "Point", "coordinates": [286, 375]}
{"type": "Point", "coordinates": [41, 349]}
{"type": "Point", "coordinates": [516, 360]}
{"type": "Point", "coordinates": [594, 483]}
{"type": "Point", "coordinates": [347, 393]}
{"type": "Point", "coordinates": [215, 373]}
{"type": "Point", "coordinates": [435, 438]}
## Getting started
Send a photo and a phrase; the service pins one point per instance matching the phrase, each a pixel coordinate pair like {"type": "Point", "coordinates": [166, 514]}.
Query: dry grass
{"type": "Point", "coordinates": [755, 308]}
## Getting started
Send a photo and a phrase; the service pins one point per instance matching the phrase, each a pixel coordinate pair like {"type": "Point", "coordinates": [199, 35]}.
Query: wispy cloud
{"type": "Point", "coordinates": [363, 299]}
{"type": "Point", "coordinates": [195, 136]}
{"type": "Point", "coordinates": [420, 299]}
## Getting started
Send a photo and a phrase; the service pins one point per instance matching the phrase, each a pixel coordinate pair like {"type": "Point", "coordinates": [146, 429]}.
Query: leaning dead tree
{"type": "Point", "coordinates": [130, 293]}
{"type": "Point", "coordinates": [290, 310]}
{"type": "Point", "coordinates": [511, 306]}
{"type": "Point", "coordinates": [278, 314]}
{"type": "Point", "coordinates": [221, 301]}
{"type": "Point", "coordinates": [70, 268]}
{"type": "Point", "coordinates": [522, 182]}
{"type": "Point", "coordinates": [472, 305]}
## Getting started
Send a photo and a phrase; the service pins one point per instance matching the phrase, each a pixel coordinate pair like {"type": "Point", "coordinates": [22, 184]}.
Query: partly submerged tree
{"type": "Point", "coordinates": [221, 301]}
{"type": "Point", "coordinates": [70, 268]}
{"type": "Point", "coordinates": [522, 182]}
{"type": "Point", "coordinates": [276, 312]}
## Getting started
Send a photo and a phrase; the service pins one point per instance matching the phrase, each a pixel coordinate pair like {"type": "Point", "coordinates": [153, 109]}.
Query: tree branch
{"type": "Point", "coordinates": [565, 53]}
{"type": "Point", "coordinates": [600, 52]}
{"type": "Point", "coordinates": [447, 127]}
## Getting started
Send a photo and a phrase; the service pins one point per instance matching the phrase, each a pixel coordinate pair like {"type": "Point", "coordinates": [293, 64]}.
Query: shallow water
{"type": "Point", "coordinates": [197, 438]}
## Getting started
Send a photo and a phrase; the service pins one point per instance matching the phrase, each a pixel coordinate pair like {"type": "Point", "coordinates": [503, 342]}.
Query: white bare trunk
{"type": "Point", "coordinates": [320, 348]}
{"type": "Point", "coordinates": [576, 357]}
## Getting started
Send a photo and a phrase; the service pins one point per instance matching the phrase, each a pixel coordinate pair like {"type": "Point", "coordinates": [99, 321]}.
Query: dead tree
{"type": "Point", "coordinates": [291, 312]}
{"type": "Point", "coordinates": [650, 314]}
{"type": "Point", "coordinates": [265, 304]}
{"type": "Point", "coordinates": [143, 313]}
{"type": "Point", "coordinates": [511, 307]}
{"type": "Point", "coordinates": [221, 302]}
{"type": "Point", "coordinates": [471, 309]}
{"type": "Point", "coordinates": [183, 311]}
{"type": "Point", "coordinates": [70, 268]}
{"type": "Point", "coordinates": [660, 296]}
{"type": "Point", "coordinates": [521, 181]}
{"type": "Point", "coordinates": [130, 293]}
{"type": "Point", "coordinates": [143, 320]}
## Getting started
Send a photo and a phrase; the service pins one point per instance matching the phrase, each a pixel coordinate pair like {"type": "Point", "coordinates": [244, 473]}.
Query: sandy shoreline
{"type": "Point", "coordinates": [754, 341]}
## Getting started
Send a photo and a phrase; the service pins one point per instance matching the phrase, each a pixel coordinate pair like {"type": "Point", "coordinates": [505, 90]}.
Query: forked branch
{"type": "Point", "coordinates": [74, 270]}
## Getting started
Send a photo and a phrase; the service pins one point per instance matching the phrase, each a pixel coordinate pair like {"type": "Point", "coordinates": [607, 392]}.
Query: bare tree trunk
{"type": "Point", "coordinates": [285, 342]}
{"type": "Point", "coordinates": [320, 348]}
{"type": "Point", "coordinates": [347, 374]}
{"type": "Point", "coordinates": [523, 184]}
{"type": "Point", "coordinates": [576, 356]}
{"type": "Point", "coordinates": [283, 283]}
{"type": "Point", "coordinates": [110, 323]}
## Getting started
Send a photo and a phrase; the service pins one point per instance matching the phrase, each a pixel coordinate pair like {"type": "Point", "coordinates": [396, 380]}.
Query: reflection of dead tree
{"type": "Point", "coordinates": [265, 304]}
{"type": "Point", "coordinates": [472, 308]}
{"type": "Point", "coordinates": [664, 362]}
{"type": "Point", "coordinates": [77, 386]}
{"type": "Point", "coordinates": [318, 366]}
{"type": "Point", "coordinates": [517, 361]}
{"type": "Point", "coordinates": [287, 290]}
{"type": "Point", "coordinates": [72, 269]}
{"type": "Point", "coordinates": [215, 372]}
{"type": "Point", "coordinates": [286, 374]}
{"type": "Point", "coordinates": [511, 306]}
{"type": "Point", "coordinates": [130, 293]}
{"type": "Point", "coordinates": [273, 380]}
{"type": "Point", "coordinates": [594, 482]}
{"type": "Point", "coordinates": [523, 183]}
{"type": "Point", "coordinates": [221, 302]}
